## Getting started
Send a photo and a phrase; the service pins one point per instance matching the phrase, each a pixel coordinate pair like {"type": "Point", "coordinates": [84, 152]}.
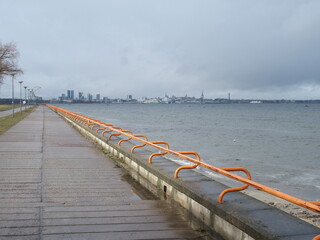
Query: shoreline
{"type": "Point", "coordinates": [288, 207]}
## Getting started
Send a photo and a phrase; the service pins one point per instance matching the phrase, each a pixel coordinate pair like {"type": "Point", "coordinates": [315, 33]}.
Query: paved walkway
{"type": "Point", "coordinates": [54, 184]}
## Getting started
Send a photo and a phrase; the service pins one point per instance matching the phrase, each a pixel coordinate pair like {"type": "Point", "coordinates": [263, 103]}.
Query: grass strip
{"type": "Point", "coordinates": [8, 121]}
{"type": "Point", "coordinates": [4, 107]}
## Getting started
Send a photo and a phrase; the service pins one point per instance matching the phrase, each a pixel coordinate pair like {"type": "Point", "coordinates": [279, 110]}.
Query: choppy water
{"type": "Point", "coordinates": [278, 143]}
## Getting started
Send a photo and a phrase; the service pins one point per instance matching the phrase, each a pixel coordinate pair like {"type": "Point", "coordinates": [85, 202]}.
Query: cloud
{"type": "Point", "coordinates": [144, 48]}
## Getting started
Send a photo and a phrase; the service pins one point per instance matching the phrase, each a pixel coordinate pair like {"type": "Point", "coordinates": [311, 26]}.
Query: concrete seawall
{"type": "Point", "coordinates": [240, 217]}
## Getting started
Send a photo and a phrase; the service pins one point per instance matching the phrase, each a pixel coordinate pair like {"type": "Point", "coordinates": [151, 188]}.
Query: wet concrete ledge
{"type": "Point", "coordinates": [240, 217]}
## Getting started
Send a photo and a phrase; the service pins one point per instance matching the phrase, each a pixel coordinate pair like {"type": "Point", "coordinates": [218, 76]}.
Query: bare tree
{"type": "Point", "coordinates": [8, 60]}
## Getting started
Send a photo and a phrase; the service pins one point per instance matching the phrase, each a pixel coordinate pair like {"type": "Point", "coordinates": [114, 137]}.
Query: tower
{"type": "Point", "coordinates": [202, 97]}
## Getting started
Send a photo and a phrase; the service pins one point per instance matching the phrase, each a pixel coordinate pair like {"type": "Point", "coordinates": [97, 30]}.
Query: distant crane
{"type": "Point", "coordinates": [33, 93]}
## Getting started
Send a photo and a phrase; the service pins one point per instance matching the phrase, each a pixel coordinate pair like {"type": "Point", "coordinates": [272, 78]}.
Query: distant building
{"type": "Point", "coordinates": [98, 97]}
{"type": "Point", "coordinates": [90, 97]}
{"type": "Point", "coordinates": [106, 100]}
{"type": "Point", "coordinates": [71, 94]}
{"type": "Point", "coordinates": [81, 97]}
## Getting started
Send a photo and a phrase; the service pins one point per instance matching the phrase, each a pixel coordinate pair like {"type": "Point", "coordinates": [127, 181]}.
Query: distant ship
{"type": "Point", "coordinates": [255, 101]}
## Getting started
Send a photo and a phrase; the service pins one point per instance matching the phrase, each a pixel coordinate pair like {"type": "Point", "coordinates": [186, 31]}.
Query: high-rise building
{"type": "Point", "coordinates": [98, 97]}
{"type": "Point", "coordinates": [71, 94]}
{"type": "Point", "coordinates": [81, 97]}
{"type": "Point", "coordinates": [90, 97]}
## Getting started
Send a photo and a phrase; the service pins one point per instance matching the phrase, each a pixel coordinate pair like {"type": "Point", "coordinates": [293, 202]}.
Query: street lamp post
{"type": "Point", "coordinates": [25, 98]}
{"type": "Point", "coordinates": [12, 94]}
{"type": "Point", "coordinates": [20, 96]}
{"type": "Point", "coordinates": [28, 96]}
{"type": "Point", "coordinates": [31, 96]}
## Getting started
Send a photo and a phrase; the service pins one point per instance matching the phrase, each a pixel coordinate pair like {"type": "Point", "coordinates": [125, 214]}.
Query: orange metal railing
{"type": "Point", "coordinates": [316, 238]}
{"type": "Point", "coordinates": [109, 128]}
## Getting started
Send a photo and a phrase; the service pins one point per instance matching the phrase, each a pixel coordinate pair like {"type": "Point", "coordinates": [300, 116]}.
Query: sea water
{"type": "Point", "coordinates": [278, 143]}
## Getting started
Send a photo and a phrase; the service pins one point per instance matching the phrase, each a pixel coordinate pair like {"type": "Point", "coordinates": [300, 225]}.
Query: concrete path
{"type": "Point", "coordinates": [54, 184]}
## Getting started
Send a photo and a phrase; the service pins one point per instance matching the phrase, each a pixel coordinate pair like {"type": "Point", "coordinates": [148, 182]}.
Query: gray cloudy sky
{"type": "Point", "coordinates": [253, 49]}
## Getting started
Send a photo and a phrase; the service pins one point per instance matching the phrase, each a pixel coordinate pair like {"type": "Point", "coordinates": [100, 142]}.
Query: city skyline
{"type": "Point", "coordinates": [86, 96]}
{"type": "Point", "coordinates": [69, 97]}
